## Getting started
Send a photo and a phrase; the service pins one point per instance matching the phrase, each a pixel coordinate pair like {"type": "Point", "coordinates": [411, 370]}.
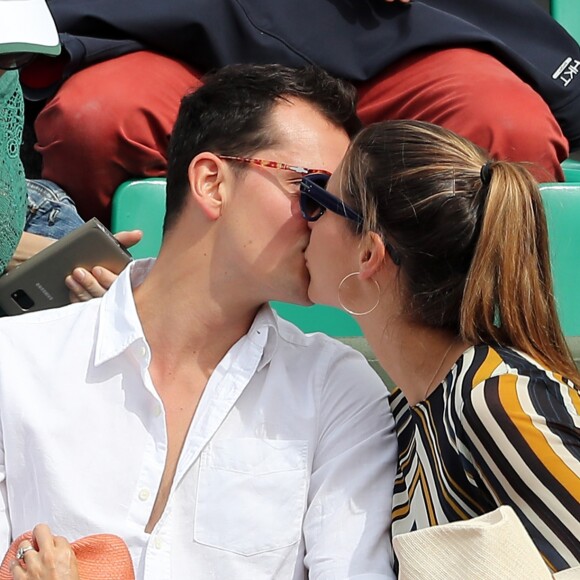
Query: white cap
{"type": "Point", "coordinates": [27, 26]}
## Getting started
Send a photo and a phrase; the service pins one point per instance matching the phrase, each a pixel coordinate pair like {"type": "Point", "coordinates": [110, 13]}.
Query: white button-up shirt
{"type": "Point", "coordinates": [286, 471]}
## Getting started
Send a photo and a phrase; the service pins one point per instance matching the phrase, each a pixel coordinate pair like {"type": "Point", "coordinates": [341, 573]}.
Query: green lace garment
{"type": "Point", "coordinates": [12, 182]}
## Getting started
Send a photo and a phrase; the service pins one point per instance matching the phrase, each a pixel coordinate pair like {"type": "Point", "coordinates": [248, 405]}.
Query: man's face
{"type": "Point", "coordinates": [264, 220]}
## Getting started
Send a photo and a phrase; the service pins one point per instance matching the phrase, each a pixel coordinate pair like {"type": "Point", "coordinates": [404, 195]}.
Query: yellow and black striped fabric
{"type": "Point", "coordinates": [499, 430]}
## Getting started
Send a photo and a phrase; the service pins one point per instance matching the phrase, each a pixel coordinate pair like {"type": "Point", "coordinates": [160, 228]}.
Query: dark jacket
{"type": "Point", "coordinates": [354, 39]}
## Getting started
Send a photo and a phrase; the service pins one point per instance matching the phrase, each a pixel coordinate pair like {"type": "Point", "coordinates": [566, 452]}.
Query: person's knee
{"type": "Point", "coordinates": [494, 108]}
{"type": "Point", "coordinates": [511, 121]}
{"type": "Point", "coordinates": [119, 107]}
{"type": "Point", "coordinates": [77, 118]}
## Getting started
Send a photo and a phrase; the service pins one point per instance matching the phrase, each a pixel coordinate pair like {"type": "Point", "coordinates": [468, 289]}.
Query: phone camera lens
{"type": "Point", "coordinates": [22, 299]}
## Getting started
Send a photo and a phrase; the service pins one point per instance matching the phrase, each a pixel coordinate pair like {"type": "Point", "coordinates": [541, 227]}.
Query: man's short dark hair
{"type": "Point", "coordinates": [230, 114]}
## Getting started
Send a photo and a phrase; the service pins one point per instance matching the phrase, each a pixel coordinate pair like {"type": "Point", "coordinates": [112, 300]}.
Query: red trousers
{"type": "Point", "coordinates": [111, 122]}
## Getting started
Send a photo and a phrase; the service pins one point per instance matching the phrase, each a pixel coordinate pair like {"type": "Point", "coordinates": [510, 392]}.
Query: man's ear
{"type": "Point", "coordinates": [372, 255]}
{"type": "Point", "coordinates": [207, 176]}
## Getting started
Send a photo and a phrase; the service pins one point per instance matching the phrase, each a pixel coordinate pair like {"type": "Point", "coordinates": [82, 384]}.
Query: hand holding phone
{"type": "Point", "coordinates": [84, 285]}
{"type": "Point", "coordinates": [39, 283]}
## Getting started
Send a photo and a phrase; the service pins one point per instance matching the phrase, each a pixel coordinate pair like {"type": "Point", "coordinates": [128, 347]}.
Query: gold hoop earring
{"type": "Point", "coordinates": [352, 312]}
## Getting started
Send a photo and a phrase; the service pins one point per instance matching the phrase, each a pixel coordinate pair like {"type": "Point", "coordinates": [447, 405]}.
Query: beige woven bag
{"type": "Point", "coordinates": [494, 546]}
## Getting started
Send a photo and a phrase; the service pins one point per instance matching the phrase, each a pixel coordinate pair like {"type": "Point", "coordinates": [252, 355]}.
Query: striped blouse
{"type": "Point", "coordinates": [500, 429]}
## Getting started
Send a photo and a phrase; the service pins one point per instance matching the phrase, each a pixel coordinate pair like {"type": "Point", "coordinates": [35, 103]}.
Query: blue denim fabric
{"type": "Point", "coordinates": [51, 212]}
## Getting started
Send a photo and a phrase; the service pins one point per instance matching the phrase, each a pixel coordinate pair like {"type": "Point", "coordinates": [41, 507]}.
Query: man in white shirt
{"type": "Point", "coordinates": [179, 411]}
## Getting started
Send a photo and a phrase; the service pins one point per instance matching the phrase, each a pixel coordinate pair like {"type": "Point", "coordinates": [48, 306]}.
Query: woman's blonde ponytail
{"type": "Point", "coordinates": [508, 297]}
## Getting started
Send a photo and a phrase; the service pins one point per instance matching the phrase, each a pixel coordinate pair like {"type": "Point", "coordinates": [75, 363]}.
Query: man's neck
{"type": "Point", "coordinates": [185, 319]}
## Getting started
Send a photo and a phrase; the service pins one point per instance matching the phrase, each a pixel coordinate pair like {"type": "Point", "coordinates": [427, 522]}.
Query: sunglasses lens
{"type": "Point", "coordinates": [15, 60]}
{"type": "Point", "coordinates": [311, 209]}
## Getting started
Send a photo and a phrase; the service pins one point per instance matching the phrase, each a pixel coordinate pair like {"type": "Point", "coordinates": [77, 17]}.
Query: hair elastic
{"type": "Point", "coordinates": [485, 173]}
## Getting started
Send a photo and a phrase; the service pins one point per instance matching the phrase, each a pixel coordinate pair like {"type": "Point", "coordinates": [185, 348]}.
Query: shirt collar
{"type": "Point", "coordinates": [119, 326]}
{"type": "Point", "coordinates": [265, 331]}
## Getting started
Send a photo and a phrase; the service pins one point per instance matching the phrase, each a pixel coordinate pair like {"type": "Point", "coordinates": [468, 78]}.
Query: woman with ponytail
{"type": "Point", "coordinates": [442, 256]}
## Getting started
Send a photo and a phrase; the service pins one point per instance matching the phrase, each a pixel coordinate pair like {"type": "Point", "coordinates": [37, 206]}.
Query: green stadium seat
{"type": "Point", "coordinates": [331, 321]}
{"type": "Point", "coordinates": [567, 13]}
{"type": "Point", "coordinates": [140, 204]}
{"type": "Point", "coordinates": [562, 203]}
{"type": "Point", "coordinates": [571, 169]}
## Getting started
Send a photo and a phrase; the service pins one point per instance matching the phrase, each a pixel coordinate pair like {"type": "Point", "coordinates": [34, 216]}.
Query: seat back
{"type": "Point", "coordinates": [140, 204]}
{"type": "Point", "coordinates": [571, 167]}
{"type": "Point", "coordinates": [567, 13]}
{"type": "Point", "coordinates": [562, 203]}
{"type": "Point", "coordinates": [317, 318]}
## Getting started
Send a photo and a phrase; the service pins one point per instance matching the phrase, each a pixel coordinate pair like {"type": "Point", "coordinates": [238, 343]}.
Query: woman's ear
{"type": "Point", "coordinates": [207, 177]}
{"type": "Point", "coordinates": [372, 256]}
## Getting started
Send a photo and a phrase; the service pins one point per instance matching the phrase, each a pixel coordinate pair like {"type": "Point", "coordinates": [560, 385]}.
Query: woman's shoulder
{"type": "Point", "coordinates": [490, 381]}
{"type": "Point", "coordinates": [485, 364]}
{"type": "Point", "coordinates": [501, 382]}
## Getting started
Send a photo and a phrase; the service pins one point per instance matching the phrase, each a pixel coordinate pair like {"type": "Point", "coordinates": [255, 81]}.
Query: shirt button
{"type": "Point", "coordinates": [143, 351]}
{"type": "Point", "coordinates": [157, 409]}
{"type": "Point", "coordinates": [158, 543]}
{"type": "Point", "coordinates": [144, 494]}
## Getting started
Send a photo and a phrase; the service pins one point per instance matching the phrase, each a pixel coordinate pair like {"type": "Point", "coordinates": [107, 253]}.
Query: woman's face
{"type": "Point", "coordinates": [333, 251]}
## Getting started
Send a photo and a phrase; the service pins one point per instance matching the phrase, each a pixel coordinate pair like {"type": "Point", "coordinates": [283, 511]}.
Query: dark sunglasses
{"type": "Point", "coordinates": [15, 60]}
{"type": "Point", "coordinates": [315, 200]}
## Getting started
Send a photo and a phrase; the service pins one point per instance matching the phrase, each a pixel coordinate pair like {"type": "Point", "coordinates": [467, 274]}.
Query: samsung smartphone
{"type": "Point", "coordinates": [38, 283]}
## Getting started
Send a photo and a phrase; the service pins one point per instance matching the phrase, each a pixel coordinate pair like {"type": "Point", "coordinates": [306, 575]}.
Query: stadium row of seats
{"type": "Point", "coordinates": [141, 204]}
